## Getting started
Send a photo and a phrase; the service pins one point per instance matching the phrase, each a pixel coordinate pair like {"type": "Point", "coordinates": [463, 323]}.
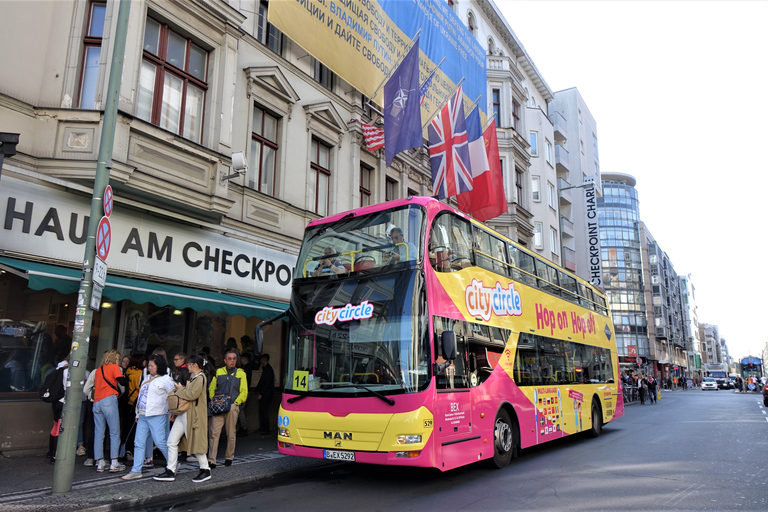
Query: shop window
{"type": "Point", "coordinates": [172, 81]}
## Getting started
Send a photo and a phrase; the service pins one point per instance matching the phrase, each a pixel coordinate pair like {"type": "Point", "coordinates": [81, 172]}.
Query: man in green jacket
{"type": "Point", "coordinates": [228, 380]}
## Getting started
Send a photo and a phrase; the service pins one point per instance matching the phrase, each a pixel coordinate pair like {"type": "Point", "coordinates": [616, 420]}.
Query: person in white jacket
{"type": "Point", "coordinates": [152, 412]}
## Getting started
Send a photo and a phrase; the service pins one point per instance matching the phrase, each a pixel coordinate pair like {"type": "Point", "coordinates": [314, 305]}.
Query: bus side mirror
{"type": "Point", "coordinates": [258, 342]}
{"type": "Point", "coordinates": [448, 344]}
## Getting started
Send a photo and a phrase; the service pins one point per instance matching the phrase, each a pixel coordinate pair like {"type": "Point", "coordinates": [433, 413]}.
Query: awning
{"type": "Point", "coordinates": [65, 280]}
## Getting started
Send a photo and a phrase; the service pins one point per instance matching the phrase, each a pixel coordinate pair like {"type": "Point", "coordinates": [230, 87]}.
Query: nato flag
{"type": "Point", "coordinates": [402, 111]}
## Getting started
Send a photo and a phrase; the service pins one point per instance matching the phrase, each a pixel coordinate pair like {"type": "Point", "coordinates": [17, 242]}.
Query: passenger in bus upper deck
{"type": "Point", "coordinates": [329, 264]}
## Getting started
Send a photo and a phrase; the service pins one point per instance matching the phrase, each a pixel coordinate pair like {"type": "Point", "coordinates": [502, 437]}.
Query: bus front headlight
{"type": "Point", "coordinates": [409, 439]}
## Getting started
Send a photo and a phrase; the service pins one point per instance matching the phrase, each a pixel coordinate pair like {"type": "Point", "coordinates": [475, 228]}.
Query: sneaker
{"type": "Point", "coordinates": [80, 451]}
{"type": "Point", "coordinates": [212, 465]}
{"type": "Point", "coordinates": [228, 462]}
{"type": "Point", "coordinates": [101, 466]}
{"type": "Point", "coordinates": [168, 476]}
{"type": "Point", "coordinates": [88, 463]}
{"type": "Point", "coordinates": [148, 463]}
{"type": "Point", "coordinates": [116, 467]}
{"type": "Point", "coordinates": [132, 476]}
{"type": "Point", "coordinates": [205, 474]}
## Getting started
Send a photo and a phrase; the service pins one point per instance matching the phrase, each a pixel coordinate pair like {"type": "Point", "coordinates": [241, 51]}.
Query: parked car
{"type": "Point", "coordinates": [709, 383]}
{"type": "Point", "coordinates": [765, 395]}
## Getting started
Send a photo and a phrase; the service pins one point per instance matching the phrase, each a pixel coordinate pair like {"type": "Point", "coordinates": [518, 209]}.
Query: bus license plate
{"type": "Point", "coordinates": [337, 455]}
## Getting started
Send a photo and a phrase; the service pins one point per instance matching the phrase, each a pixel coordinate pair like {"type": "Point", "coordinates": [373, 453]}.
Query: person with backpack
{"type": "Point", "coordinates": [109, 377]}
{"type": "Point", "coordinates": [53, 391]}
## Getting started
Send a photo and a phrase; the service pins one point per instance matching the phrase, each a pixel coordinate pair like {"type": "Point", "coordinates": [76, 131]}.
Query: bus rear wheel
{"type": "Point", "coordinates": [597, 421]}
{"type": "Point", "coordinates": [504, 446]}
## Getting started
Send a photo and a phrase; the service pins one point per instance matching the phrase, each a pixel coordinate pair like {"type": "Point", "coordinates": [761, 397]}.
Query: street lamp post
{"type": "Point", "coordinates": [560, 215]}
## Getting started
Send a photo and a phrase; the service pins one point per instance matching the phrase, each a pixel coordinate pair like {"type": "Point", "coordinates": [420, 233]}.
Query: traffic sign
{"type": "Point", "coordinates": [103, 238]}
{"type": "Point", "coordinates": [96, 297]}
{"type": "Point", "coordinates": [639, 360]}
{"type": "Point", "coordinates": [108, 201]}
{"type": "Point", "coordinates": [99, 272]}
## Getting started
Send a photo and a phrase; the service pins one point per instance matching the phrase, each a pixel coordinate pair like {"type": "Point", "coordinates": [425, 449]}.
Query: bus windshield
{"type": "Point", "coordinates": [358, 243]}
{"type": "Point", "coordinates": [356, 336]}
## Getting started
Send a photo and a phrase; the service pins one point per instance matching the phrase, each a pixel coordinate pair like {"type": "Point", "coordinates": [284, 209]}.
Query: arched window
{"type": "Point", "coordinates": [491, 46]}
{"type": "Point", "coordinates": [472, 23]}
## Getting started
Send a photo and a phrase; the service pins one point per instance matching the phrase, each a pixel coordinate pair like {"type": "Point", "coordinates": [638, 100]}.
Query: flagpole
{"type": "Point", "coordinates": [405, 53]}
{"type": "Point", "coordinates": [474, 103]}
{"type": "Point", "coordinates": [432, 73]}
{"type": "Point", "coordinates": [449, 97]}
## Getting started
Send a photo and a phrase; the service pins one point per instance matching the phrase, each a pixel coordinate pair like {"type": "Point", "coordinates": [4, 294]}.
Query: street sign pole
{"type": "Point", "coordinates": [65, 455]}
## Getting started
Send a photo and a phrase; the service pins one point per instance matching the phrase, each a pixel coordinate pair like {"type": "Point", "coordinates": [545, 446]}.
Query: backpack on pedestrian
{"type": "Point", "coordinates": [52, 389]}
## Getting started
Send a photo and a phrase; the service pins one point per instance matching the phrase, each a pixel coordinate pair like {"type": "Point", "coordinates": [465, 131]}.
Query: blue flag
{"type": "Point", "coordinates": [402, 111]}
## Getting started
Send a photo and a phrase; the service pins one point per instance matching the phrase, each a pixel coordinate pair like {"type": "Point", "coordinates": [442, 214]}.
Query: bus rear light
{"type": "Point", "coordinates": [406, 455]}
{"type": "Point", "coordinates": [409, 439]}
{"type": "Point", "coordinates": [283, 432]}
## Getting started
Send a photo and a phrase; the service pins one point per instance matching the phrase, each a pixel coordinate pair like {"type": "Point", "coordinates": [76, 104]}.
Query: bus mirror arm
{"type": "Point", "coordinates": [258, 334]}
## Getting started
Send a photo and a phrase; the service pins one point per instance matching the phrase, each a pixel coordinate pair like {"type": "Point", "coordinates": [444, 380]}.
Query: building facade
{"type": "Point", "coordinates": [577, 160]}
{"type": "Point", "coordinates": [200, 253]}
{"type": "Point", "coordinates": [691, 326]}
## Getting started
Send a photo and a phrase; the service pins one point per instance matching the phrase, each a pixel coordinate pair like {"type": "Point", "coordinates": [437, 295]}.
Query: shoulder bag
{"type": "Point", "coordinates": [222, 403]}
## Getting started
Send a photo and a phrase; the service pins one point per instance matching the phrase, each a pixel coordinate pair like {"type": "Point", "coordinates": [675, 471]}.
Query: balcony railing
{"type": "Point", "coordinates": [559, 124]}
{"type": "Point", "coordinates": [562, 159]}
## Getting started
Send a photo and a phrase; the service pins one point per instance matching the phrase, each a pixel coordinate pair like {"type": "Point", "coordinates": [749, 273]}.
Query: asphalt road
{"type": "Point", "coordinates": [692, 450]}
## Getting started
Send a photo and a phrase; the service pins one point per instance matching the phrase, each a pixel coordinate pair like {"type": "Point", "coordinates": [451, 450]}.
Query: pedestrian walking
{"type": "Point", "coordinates": [109, 377]}
{"type": "Point", "coordinates": [642, 389]}
{"type": "Point", "coordinates": [152, 413]}
{"type": "Point", "coordinates": [193, 423]}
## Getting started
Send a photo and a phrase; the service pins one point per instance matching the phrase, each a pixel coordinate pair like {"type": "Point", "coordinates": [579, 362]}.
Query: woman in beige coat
{"type": "Point", "coordinates": [193, 424]}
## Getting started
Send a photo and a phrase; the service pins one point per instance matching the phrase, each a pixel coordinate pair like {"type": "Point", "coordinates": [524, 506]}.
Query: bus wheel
{"type": "Point", "coordinates": [597, 421]}
{"type": "Point", "coordinates": [503, 445]}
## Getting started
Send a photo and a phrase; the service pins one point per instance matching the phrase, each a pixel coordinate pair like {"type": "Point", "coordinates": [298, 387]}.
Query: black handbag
{"type": "Point", "coordinates": [221, 403]}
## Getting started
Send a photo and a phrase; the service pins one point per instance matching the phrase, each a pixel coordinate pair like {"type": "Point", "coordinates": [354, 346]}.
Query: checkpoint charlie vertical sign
{"type": "Point", "coordinates": [50, 223]}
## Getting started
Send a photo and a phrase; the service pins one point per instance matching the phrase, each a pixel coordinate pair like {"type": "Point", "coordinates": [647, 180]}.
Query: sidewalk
{"type": "Point", "coordinates": [26, 481]}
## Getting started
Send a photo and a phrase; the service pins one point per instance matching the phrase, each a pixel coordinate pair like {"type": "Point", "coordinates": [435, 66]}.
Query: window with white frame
{"type": "Point", "coordinates": [519, 186]}
{"type": "Point", "coordinates": [172, 81]}
{"type": "Point", "coordinates": [496, 99]}
{"type": "Point", "coordinates": [515, 116]}
{"type": "Point", "coordinates": [390, 193]}
{"type": "Point", "coordinates": [91, 55]}
{"type": "Point", "coordinates": [366, 181]}
{"type": "Point", "coordinates": [537, 240]}
{"type": "Point", "coordinates": [551, 196]}
{"type": "Point", "coordinates": [266, 33]}
{"type": "Point", "coordinates": [534, 139]}
{"type": "Point", "coordinates": [548, 151]}
{"type": "Point", "coordinates": [554, 241]}
{"type": "Point", "coordinates": [261, 171]}
{"type": "Point", "coordinates": [319, 177]}
{"type": "Point", "coordinates": [323, 75]}
{"type": "Point", "coordinates": [535, 188]}
{"type": "Point", "coordinates": [471, 23]}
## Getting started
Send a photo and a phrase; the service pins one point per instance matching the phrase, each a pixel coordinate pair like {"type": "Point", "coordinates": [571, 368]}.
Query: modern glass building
{"type": "Point", "coordinates": [619, 217]}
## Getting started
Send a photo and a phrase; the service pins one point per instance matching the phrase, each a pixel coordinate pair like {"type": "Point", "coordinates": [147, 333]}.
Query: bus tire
{"type": "Point", "coordinates": [504, 447]}
{"type": "Point", "coordinates": [597, 421]}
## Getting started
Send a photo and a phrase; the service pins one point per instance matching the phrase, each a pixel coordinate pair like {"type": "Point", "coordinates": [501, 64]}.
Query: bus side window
{"type": "Point", "coordinates": [524, 270]}
{"type": "Point", "coordinates": [449, 243]}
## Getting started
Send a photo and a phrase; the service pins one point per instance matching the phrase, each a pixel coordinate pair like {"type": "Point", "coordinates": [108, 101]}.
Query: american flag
{"type": "Point", "coordinates": [449, 150]}
{"type": "Point", "coordinates": [374, 137]}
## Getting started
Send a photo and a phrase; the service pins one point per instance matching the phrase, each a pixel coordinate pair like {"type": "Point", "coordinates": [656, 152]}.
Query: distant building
{"type": "Point", "coordinates": [691, 325]}
{"type": "Point", "coordinates": [711, 349]}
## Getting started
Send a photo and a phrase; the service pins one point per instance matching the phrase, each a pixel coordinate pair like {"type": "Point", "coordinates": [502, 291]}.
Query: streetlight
{"type": "Point", "coordinates": [560, 191]}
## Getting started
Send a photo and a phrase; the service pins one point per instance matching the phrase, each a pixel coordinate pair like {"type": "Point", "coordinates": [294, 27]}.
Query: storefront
{"type": "Point", "coordinates": [170, 284]}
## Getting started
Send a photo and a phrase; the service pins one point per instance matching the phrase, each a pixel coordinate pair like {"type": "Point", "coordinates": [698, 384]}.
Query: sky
{"type": "Point", "coordinates": [679, 92]}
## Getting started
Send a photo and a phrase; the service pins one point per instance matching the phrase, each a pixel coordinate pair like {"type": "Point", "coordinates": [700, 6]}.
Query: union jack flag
{"type": "Point", "coordinates": [449, 150]}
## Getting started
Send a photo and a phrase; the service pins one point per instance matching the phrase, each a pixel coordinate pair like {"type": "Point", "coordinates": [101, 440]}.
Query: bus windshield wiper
{"type": "Point", "coordinates": [296, 398]}
{"type": "Point", "coordinates": [360, 386]}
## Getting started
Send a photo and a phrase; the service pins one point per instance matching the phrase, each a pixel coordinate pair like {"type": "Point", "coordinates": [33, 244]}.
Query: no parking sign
{"type": "Point", "coordinates": [103, 238]}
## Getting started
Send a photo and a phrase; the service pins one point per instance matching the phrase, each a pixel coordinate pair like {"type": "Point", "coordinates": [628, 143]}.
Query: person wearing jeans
{"type": "Point", "coordinates": [152, 413]}
{"type": "Point", "coordinates": [105, 411]}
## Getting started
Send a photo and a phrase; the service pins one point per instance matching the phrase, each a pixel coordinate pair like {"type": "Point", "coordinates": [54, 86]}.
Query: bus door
{"type": "Point", "coordinates": [453, 420]}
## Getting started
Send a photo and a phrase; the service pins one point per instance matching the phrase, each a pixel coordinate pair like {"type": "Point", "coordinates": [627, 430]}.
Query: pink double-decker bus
{"type": "Point", "coordinates": [420, 337]}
